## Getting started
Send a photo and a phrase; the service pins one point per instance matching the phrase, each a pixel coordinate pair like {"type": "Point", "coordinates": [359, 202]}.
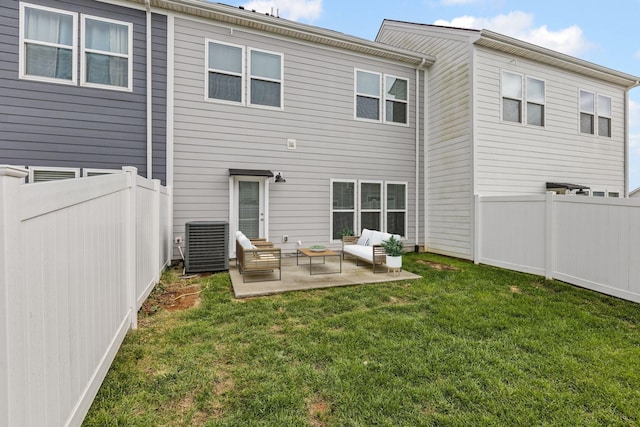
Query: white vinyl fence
{"type": "Point", "coordinates": [77, 259]}
{"type": "Point", "coordinates": [592, 242]}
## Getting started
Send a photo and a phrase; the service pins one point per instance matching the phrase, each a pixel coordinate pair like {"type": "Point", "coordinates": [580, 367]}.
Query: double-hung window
{"type": "Point", "coordinates": [266, 78]}
{"type": "Point", "coordinates": [396, 208]}
{"type": "Point", "coordinates": [106, 53]}
{"type": "Point", "coordinates": [343, 207]}
{"type": "Point", "coordinates": [368, 95]}
{"type": "Point", "coordinates": [535, 102]}
{"type": "Point", "coordinates": [587, 112]}
{"type": "Point", "coordinates": [225, 81]}
{"type": "Point", "coordinates": [396, 91]}
{"type": "Point", "coordinates": [604, 116]}
{"type": "Point", "coordinates": [48, 44]}
{"type": "Point", "coordinates": [511, 97]}
{"type": "Point", "coordinates": [371, 205]}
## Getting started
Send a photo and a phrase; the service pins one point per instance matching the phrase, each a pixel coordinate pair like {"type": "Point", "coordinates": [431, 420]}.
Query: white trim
{"type": "Point", "coordinates": [405, 102]}
{"type": "Point", "coordinates": [250, 78]}
{"type": "Point", "coordinates": [242, 73]}
{"type": "Point", "coordinates": [84, 50]}
{"type": "Point", "coordinates": [356, 94]}
{"type": "Point", "coordinates": [593, 113]}
{"type": "Point", "coordinates": [93, 171]}
{"type": "Point", "coordinates": [381, 210]}
{"type": "Point", "coordinates": [34, 169]}
{"type": "Point", "coordinates": [502, 97]}
{"type": "Point", "coordinates": [386, 209]}
{"type": "Point", "coordinates": [354, 210]}
{"type": "Point", "coordinates": [22, 46]}
{"type": "Point", "coordinates": [170, 99]}
{"type": "Point", "coordinates": [149, 71]}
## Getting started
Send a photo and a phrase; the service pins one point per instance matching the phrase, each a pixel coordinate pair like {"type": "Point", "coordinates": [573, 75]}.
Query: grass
{"type": "Point", "coordinates": [470, 346]}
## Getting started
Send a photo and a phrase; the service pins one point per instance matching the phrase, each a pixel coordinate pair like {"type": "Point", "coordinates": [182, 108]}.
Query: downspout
{"type": "Point", "coordinates": [417, 225]}
{"type": "Point", "coordinates": [147, 4]}
{"type": "Point", "coordinates": [626, 137]}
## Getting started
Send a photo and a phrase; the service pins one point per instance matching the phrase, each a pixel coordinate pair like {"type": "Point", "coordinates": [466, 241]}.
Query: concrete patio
{"type": "Point", "coordinates": [297, 277]}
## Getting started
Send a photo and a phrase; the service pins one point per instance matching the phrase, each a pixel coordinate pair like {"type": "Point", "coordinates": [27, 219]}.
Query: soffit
{"type": "Point", "coordinates": [271, 24]}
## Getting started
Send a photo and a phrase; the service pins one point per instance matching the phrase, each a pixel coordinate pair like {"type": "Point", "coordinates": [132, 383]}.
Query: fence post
{"type": "Point", "coordinates": [156, 231]}
{"type": "Point", "coordinates": [11, 281]}
{"type": "Point", "coordinates": [169, 230]}
{"type": "Point", "coordinates": [550, 244]}
{"type": "Point", "coordinates": [477, 230]}
{"type": "Point", "coordinates": [131, 243]}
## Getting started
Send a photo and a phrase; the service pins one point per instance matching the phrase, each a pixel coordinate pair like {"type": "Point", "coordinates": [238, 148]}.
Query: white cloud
{"type": "Point", "coordinates": [296, 10]}
{"type": "Point", "coordinates": [520, 25]}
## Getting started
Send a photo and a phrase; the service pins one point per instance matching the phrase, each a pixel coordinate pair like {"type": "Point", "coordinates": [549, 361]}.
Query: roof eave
{"type": "Point", "coordinates": [264, 22]}
{"type": "Point", "coordinates": [508, 44]}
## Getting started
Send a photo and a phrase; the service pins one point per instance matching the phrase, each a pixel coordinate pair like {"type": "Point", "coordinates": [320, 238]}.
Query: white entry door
{"type": "Point", "coordinates": [250, 206]}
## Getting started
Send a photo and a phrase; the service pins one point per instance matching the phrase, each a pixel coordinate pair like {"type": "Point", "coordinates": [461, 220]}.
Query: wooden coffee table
{"type": "Point", "coordinates": [311, 254]}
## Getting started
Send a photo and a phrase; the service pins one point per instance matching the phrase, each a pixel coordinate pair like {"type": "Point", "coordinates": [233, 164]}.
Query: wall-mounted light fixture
{"type": "Point", "coordinates": [280, 178]}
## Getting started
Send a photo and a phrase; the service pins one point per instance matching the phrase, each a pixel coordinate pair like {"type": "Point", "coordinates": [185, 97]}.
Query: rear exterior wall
{"type": "Point", "coordinates": [210, 138]}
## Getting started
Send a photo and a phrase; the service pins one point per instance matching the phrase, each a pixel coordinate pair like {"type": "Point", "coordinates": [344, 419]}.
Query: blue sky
{"type": "Point", "coordinates": [602, 33]}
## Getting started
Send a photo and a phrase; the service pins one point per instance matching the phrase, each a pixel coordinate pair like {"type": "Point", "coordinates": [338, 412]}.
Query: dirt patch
{"type": "Point", "coordinates": [516, 290]}
{"type": "Point", "coordinates": [437, 265]}
{"type": "Point", "coordinates": [176, 294]}
{"type": "Point", "coordinates": [318, 409]}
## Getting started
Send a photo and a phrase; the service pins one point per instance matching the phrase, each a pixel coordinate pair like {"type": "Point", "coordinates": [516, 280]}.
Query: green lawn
{"type": "Point", "coordinates": [473, 346]}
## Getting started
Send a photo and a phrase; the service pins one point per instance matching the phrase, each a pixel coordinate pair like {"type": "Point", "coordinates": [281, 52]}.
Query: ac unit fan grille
{"type": "Point", "coordinates": [207, 244]}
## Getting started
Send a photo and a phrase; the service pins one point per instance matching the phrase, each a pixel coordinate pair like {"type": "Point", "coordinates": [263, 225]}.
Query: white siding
{"type": "Point", "coordinates": [515, 159]}
{"type": "Point", "coordinates": [449, 169]}
{"type": "Point", "coordinates": [210, 138]}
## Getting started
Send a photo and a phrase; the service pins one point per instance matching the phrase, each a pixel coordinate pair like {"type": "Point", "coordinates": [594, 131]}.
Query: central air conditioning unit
{"type": "Point", "coordinates": [207, 247]}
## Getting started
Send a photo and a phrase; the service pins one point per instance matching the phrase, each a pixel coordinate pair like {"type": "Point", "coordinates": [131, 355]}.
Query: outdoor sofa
{"type": "Point", "coordinates": [366, 247]}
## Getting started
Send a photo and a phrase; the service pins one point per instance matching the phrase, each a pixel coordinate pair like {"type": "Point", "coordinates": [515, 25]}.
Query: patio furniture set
{"type": "Point", "coordinates": [259, 256]}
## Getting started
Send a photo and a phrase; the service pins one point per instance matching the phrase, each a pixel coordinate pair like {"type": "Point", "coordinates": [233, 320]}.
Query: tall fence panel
{"type": "Point", "coordinates": [69, 289]}
{"type": "Point", "coordinates": [586, 241]}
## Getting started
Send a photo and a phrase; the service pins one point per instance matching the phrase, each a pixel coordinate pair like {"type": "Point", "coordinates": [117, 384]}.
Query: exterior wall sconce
{"type": "Point", "coordinates": [280, 178]}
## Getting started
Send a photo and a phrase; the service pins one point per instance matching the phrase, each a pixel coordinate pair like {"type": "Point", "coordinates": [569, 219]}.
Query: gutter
{"type": "Point", "coordinates": [147, 4]}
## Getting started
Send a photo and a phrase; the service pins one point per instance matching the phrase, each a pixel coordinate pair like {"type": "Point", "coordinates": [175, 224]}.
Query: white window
{"type": "Point", "coordinates": [511, 97]}
{"type": "Point", "coordinates": [343, 207]}
{"type": "Point", "coordinates": [613, 194]}
{"type": "Point", "coordinates": [106, 53]}
{"type": "Point", "coordinates": [597, 193]}
{"type": "Point", "coordinates": [396, 208]}
{"type": "Point", "coordinates": [604, 116]}
{"type": "Point", "coordinates": [42, 174]}
{"type": "Point", "coordinates": [371, 205]}
{"type": "Point", "coordinates": [47, 44]}
{"type": "Point", "coordinates": [368, 95]}
{"type": "Point", "coordinates": [587, 112]}
{"type": "Point", "coordinates": [95, 172]}
{"type": "Point", "coordinates": [266, 78]}
{"type": "Point", "coordinates": [535, 101]}
{"type": "Point", "coordinates": [225, 78]}
{"type": "Point", "coordinates": [396, 93]}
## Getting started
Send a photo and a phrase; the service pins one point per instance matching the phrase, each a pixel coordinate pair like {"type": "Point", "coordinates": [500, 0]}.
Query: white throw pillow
{"type": "Point", "coordinates": [365, 236]}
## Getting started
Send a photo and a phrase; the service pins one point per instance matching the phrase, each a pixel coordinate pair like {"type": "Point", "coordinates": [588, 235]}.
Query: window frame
{"type": "Point", "coordinates": [22, 56]}
{"type": "Point", "coordinates": [527, 102]}
{"type": "Point", "coordinates": [34, 169]}
{"type": "Point", "coordinates": [521, 120]}
{"type": "Point", "coordinates": [361, 210]}
{"type": "Point", "coordinates": [594, 129]}
{"type": "Point", "coordinates": [599, 115]}
{"type": "Point", "coordinates": [250, 78]}
{"type": "Point", "coordinates": [84, 50]}
{"type": "Point", "coordinates": [405, 102]}
{"type": "Point", "coordinates": [332, 210]}
{"type": "Point", "coordinates": [207, 70]}
{"type": "Point", "coordinates": [387, 210]}
{"type": "Point", "coordinates": [356, 94]}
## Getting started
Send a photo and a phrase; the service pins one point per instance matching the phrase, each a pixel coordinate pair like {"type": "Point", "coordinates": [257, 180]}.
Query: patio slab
{"type": "Point", "coordinates": [297, 277]}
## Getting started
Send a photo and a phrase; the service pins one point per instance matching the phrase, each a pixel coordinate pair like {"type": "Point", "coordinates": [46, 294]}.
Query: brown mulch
{"type": "Point", "coordinates": [182, 294]}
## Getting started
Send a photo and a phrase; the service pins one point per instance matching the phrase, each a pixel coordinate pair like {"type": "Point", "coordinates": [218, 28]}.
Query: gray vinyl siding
{"type": "Point", "coordinates": [49, 124]}
{"type": "Point", "coordinates": [516, 159]}
{"type": "Point", "coordinates": [449, 170]}
{"type": "Point", "coordinates": [210, 138]}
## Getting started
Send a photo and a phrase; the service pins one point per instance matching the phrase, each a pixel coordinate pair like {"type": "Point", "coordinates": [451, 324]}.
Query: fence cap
{"type": "Point", "coordinates": [13, 171]}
